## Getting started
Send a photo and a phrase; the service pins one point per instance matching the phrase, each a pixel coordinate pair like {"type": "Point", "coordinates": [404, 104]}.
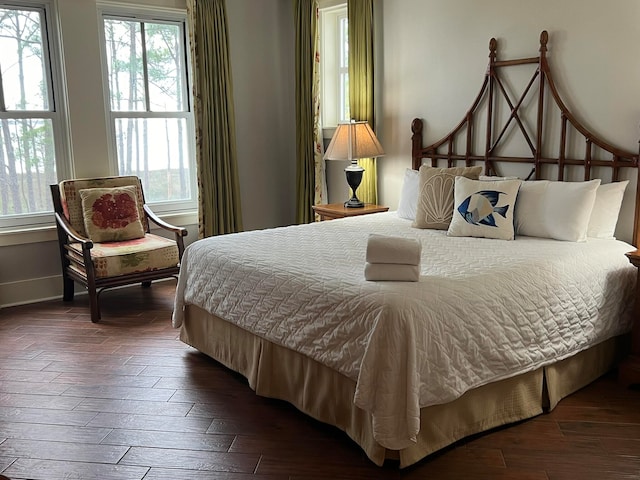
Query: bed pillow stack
{"type": "Point", "coordinates": [569, 211]}
{"type": "Point", "coordinates": [392, 259]}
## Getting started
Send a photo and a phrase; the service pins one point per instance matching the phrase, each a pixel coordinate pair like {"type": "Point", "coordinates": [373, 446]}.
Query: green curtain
{"type": "Point", "coordinates": [219, 209]}
{"type": "Point", "coordinates": [361, 97]}
{"type": "Point", "coordinates": [306, 26]}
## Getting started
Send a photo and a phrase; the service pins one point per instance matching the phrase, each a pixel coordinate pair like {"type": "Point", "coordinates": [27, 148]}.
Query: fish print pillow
{"type": "Point", "coordinates": [484, 208]}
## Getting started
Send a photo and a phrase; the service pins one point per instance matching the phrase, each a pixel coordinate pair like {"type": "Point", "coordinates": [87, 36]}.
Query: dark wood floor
{"type": "Point", "coordinates": [124, 399]}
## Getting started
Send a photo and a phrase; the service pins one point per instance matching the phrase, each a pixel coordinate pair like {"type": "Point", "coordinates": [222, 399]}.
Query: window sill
{"type": "Point", "coordinates": [27, 235]}
{"type": "Point", "coordinates": [327, 132]}
{"type": "Point", "coordinates": [49, 234]}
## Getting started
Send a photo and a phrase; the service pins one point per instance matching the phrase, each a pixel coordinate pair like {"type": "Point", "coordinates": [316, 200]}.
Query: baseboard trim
{"type": "Point", "coordinates": [32, 290]}
{"type": "Point", "coordinates": [36, 290]}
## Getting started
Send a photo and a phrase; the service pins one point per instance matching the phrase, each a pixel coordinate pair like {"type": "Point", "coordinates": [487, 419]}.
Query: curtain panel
{"type": "Point", "coordinates": [219, 208]}
{"type": "Point", "coordinates": [310, 164]}
{"type": "Point", "coordinates": [361, 95]}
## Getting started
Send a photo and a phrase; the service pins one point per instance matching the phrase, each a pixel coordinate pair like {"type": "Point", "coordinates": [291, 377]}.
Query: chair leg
{"type": "Point", "coordinates": [67, 289]}
{"type": "Point", "coordinates": [146, 284]}
{"type": "Point", "coordinates": [94, 305]}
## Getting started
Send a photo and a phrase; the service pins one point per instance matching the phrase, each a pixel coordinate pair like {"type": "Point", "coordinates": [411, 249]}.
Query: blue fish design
{"type": "Point", "coordinates": [478, 208]}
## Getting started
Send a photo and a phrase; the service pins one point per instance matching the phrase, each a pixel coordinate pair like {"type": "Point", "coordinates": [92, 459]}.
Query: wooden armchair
{"type": "Point", "coordinates": [104, 237]}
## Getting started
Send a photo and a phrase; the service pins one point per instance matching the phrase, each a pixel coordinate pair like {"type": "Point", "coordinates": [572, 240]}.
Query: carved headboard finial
{"type": "Point", "coordinates": [416, 126]}
{"type": "Point", "coordinates": [493, 46]}
{"type": "Point", "coordinates": [544, 38]}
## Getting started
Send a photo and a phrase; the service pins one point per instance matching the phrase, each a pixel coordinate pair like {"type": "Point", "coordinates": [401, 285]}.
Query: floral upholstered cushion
{"type": "Point", "coordinates": [150, 252]}
{"type": "Point", "coordinates": [111, 214]}
{"type": "Point", "coordinates": [72, 203]}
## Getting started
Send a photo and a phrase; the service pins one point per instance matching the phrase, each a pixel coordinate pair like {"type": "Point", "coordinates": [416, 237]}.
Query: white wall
{"type": "Point", "coordinates": [261, 44]}
{"type": "Point", "coordinates": [435, 54]}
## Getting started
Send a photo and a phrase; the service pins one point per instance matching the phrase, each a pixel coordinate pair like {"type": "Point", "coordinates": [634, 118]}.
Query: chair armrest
{"type": "Point", "coordinates": [179, 231]}
{"type": "Point", "coordinates": [71, 232]}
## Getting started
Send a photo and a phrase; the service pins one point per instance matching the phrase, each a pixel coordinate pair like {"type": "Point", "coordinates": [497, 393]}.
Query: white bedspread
{"type": "Point", "coordinates": [482, 311]}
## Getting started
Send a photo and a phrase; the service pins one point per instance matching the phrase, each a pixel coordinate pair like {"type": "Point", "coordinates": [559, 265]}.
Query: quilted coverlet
{"type": "Point", "coordinates": [483, 310]}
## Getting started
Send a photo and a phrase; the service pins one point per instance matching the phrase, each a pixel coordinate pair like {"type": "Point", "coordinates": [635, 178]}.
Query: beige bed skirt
{"type": "Point", "coordinates": [277, 372]}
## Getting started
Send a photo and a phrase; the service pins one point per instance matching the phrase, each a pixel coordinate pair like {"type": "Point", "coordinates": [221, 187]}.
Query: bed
{"type": "Point", "coordinates": [493, 332]}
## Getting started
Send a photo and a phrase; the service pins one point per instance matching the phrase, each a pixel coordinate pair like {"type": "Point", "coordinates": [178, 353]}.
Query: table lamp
{"type": "Point", "coordinates": [352, 141]}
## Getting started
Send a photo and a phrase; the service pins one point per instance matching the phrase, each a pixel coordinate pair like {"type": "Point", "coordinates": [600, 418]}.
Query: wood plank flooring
{"type": "Point", "coordinates": [124, 399]}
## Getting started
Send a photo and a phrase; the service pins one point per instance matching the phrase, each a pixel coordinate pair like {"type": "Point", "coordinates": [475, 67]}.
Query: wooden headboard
{"type": "Point", "coordinates": [460, 145]}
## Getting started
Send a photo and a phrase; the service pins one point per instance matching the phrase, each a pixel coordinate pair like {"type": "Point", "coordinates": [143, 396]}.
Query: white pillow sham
{"type": "Point", "coordinates": [606, 210]}
{"type": "Point", "coordinates": [489, 178]}
{"type": "Point", "coordinates": [559, 210]}
{"type": "Point", "coordinates": [409, 194]}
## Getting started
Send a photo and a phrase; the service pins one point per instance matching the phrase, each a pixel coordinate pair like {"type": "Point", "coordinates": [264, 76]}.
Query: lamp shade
{"type": "Point", "coordinates": [353, 140]}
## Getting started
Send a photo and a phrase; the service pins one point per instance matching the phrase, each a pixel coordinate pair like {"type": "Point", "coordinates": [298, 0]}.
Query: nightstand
{"type": "Point", "coordinates": [629, 369]}
{"type": "Point", "coordinates": [338, 210]}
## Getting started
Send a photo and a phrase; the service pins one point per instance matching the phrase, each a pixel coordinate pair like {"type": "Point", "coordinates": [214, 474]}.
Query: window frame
{"type": "Point", "coordinates": [152, 15]}
{"type": "Point", "coordinates": [57, 112]}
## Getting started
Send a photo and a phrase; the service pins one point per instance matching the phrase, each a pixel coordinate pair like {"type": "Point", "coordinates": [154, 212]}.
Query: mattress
{"type": "Point", "coordinates": [483, 311]}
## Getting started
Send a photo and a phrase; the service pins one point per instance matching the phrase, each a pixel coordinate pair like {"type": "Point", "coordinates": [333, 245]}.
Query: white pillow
{"type": "Point", "coordinates": [559, 210]}
{"type": "Point", "coordinates": [488, 178]}
{"type": "Point", "coordinates": [409, 194]}
{"type": "Point", "coordinates": [606, 209]}
{"type": "Point", "coordinates": [483, 209]}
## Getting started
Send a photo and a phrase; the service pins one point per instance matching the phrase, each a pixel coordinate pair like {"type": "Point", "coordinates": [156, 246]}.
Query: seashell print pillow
{"type": "Point", "coordinates": [484, 208]}
{"type": "Point", "coordinates": [111, 214]}
{"type": "Point", "coordinates": [435, 195]}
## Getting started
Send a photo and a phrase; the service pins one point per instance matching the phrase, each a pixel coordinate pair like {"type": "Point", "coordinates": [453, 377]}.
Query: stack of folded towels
{"type": "Point", "coordinates": [392, 259]}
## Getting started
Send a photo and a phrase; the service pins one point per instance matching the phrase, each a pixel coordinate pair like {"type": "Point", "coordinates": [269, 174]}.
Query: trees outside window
{"type": "Point", "coordinates": [30, 122]}
{"type": "Point", "coordinates": [147, 98]}
{"type": "Point", "coordinates": [148, 95]}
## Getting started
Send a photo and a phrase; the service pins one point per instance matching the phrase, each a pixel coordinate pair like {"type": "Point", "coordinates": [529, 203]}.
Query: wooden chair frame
{"type": "Point", "coordinates": [67, 234]}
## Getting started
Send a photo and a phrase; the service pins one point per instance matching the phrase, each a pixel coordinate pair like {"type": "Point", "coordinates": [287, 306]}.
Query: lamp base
{"type": "Point", "coordinates": [354, 177]}
{"type": "Point", "coordinates": [354, 202]}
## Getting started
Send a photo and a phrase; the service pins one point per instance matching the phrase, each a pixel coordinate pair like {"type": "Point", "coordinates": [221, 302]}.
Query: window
{"type": "Point", "coordinates": [334, 64]}
{"type": "Point", "coordinates": [31, 121]}
{"type": "Point", "coordinates": [149, 106]}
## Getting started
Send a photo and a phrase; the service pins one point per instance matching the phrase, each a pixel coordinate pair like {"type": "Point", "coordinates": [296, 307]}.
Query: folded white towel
{"type": "Point", "coordinates": [398, 250]}
{"type": "Point", "coordinates": [393, 272]}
